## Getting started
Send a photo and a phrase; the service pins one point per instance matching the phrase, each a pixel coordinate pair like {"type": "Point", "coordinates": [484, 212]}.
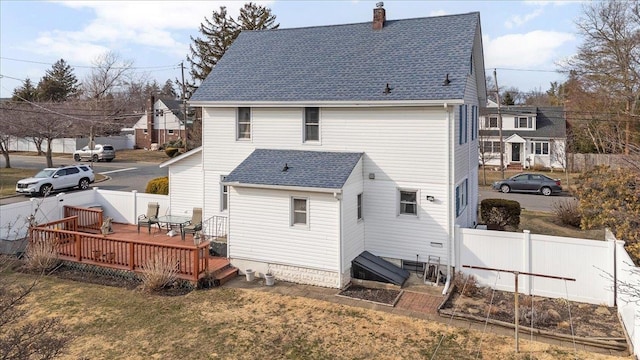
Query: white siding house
{"type": "Point", "coordinates": [161, 123]}
{"type": "Point", "coordinates": [185, 182]}
{"type": "Point", "coordinates": [531, 136]}
{"type": "Point", "coordinates": [401, 94]}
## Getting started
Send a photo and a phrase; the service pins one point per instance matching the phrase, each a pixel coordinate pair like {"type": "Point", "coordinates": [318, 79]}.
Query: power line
{"type": "Point", "coordinates": [172, 66]}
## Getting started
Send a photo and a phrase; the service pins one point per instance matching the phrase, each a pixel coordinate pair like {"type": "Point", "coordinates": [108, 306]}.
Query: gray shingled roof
{"type": "Point", "coordinates": [347, 62]}
{"type": "Point", "coordinates": [550, 121]}
{"type": "Point", "coordinates": [314, 169]}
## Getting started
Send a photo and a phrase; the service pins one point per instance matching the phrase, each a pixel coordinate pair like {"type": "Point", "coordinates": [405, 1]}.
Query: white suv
{"type": "Point", "coordinates": [99, 152]}
{"type": "Point", "coordinates": [55, 179]}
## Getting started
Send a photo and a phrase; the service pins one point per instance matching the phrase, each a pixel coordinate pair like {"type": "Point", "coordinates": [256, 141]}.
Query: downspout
{"type": "Point", "coordinates": [340, 238]}
{"type": "Point", "coordinates": [450, 210]}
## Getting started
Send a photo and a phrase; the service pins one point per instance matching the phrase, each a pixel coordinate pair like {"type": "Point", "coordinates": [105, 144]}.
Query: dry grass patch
{"type": "Point", "coordinates": [9, 178]}
{"type": "Point", "coordinates": [116, 323]}
{"type": "Point", "coordinates": [140, 155]}
{"type": "Point", "coordinates": [545, 223]}
{"type": "Point", "coordinates": [41, 256]}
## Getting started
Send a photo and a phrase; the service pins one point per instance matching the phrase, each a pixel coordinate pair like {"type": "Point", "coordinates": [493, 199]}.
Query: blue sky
{"type": "Point", "coordinates": [524, 40]}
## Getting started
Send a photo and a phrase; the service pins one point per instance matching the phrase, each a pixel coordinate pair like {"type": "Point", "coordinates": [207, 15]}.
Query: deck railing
{"type": "Point", "coordinates": [215, 227]}
{"type": "Point", "coordinates": [88, 218]}
{"type": "Point", "coordinates": [191, 260]}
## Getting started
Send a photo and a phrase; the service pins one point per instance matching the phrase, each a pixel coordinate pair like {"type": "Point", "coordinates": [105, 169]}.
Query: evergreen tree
{"type": "Point", "coordinates": [168, 90]}
{"type": "Point", "coordinates": [507, 99]}
{"type": "Point", "coordinates": [219, 33]}
{"type": "Point", "coordinates": [255, 17]}
{"type": "Point", "coordinates": [58, 84]}
{"type": "Point", "coordinates": [26, 92]}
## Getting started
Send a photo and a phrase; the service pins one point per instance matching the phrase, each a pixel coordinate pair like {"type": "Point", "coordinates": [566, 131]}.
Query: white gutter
{"type": "Point", "coordinates": [325, 103]}
{"type": "Point", "coordinates": [284, 187]}
{"type": "Point", "coordinates": [451, 209]}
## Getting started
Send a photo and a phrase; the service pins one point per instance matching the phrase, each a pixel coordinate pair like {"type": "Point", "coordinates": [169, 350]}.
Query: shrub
{"type": "Point", "coordinates": [158, 186]}
{"type": "Point", "coordinates": [159, 272]}
{"type": "Point", "coordinates": [41, 256]}
{"type": "Point", "coordinates": [171, 151]}
{"type": "Point", "coordinates": [567, 211]}
{"type": "Point", "coordinates": [500, 212]}
{"type": "Point", "coordinates": [467, 285]}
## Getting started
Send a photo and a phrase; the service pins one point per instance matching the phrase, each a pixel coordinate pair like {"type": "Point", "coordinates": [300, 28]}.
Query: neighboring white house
{"type": "Point", "coordinates": [320, 143]}
{"type": "Point", "coordinates": [532, 136]}
{"type": "Point", "coordinates": [161, 123]}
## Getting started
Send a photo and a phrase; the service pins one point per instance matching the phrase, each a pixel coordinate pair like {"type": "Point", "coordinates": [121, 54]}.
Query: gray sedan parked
{"type": "Point", "coordinates": [534, 183]}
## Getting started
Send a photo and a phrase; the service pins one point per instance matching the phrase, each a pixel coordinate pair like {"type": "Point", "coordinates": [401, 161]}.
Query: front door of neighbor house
{"type": "Point", "coordinates": [515, 152]}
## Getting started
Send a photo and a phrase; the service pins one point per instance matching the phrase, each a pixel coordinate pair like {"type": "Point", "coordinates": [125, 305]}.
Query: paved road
{"type": "Point", "coordinates": [533, 202]}
{"type": "Point", "coordinates": [122, 176]}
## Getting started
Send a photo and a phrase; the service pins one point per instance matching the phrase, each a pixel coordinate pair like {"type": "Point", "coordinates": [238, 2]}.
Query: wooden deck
{"type": "Point", "coordinates": [126, 249]}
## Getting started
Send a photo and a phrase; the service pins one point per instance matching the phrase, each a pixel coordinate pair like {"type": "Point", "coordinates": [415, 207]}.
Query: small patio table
{"type": "Point", "coordinates": [175, 220]}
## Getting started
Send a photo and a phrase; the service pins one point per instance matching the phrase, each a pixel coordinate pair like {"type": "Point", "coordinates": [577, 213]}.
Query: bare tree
{"type": "Point", "coordinates": [608, 61]}
{"type": "Point", "coordinates": [487, 154]}
{"type": "Point", "coordinates": [104, 91]}
{"type": "Point", "coordinates": [21, 336]}
{"type": "Point", "coordinates": [7, 129]}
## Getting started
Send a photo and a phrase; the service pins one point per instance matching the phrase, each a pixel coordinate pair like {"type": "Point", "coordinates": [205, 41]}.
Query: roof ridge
{"type": "Point", "coordinates": [360, 23]}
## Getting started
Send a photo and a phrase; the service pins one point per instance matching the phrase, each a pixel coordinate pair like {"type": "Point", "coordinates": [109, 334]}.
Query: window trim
{"type": "Point", "coordinates": [464, 125]}
{"type": "Point", "coordinates": [462, 196]}
{"type": "Point", "coordinates": [534, 147]}
{"type": "Point", "coordinates": [529, 122]}
{"type": "Point", "coordinates": [239, 122]}
{"type": "Point", "coordinates": [224, 195]}
{"type": "Point", "coordinates": [399, 201]}
{"type": "Point", "coordinates": [292, 212]}
{"type": "Point", "coordinates": [359, 215]}
{"type": "Point", "coordinates": [304, 125]}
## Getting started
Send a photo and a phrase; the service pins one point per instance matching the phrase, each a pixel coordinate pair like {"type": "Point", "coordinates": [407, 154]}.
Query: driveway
{"type": "Point", "coordinates": [533, 202]}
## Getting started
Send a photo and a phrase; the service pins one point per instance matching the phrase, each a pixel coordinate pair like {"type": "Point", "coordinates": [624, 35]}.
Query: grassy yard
{"type": "Point", "coordinates": [547, 224]}
{"type": "Point", "coordinates": [224, 323]}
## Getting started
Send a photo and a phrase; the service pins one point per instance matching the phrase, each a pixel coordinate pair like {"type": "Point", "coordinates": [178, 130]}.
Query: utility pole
{"type": "Point", "coordinates": [495, 77]}
{"type": "Point", "coordinates": [184, 108]}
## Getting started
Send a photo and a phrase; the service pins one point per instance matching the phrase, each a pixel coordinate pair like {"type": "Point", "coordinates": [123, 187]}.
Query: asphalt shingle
{"type": "Point", "coordinates": [347, 62]}
{"type": "Point", "coordinates": [313, 169]}
{"type": "Point", "coordinates": [550, 121]}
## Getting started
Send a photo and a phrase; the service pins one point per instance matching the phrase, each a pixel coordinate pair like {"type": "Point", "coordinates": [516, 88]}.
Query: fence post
{"type": "Point", "coordinates": [526, 259]}
{"type": "Point", "coordinates": [134, 196]}
{"type": "Point", "coordinates": [196, 264]}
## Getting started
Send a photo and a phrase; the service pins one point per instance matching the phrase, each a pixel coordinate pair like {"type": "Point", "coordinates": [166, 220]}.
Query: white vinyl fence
{"type": "Point", "coordinates": [123, 207]}
{"type": "Point", "coordinates": [596, 266]}
{"type": "Point", "coordinates": [590, 262]}
{"type": "Point", "coordinates": [69, 145]}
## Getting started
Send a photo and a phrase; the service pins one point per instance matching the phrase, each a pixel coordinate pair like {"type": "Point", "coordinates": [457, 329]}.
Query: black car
{"type": "Point", "coordinates": [534, 183]}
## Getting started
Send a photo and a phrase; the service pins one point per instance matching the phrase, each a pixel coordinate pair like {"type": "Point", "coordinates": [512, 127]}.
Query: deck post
{"type": "Point", "coordinates": [196, 265]}
{"type": "Point", "coordinates": [78, 246]}
{"type": "Point", "coordinates": [131, 256]}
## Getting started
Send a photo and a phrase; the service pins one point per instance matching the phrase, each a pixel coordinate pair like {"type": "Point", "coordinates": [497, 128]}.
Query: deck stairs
{"type": "Point", "coordinates": [221, 270]}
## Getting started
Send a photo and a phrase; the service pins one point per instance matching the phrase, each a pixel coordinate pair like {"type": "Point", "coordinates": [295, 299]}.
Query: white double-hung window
{"type": "Point", "coordinates": [243, 129]}
{"type": "Point", "coordinates": [311, 124]}
{"type": "Point", "coordinates": [299, 211]}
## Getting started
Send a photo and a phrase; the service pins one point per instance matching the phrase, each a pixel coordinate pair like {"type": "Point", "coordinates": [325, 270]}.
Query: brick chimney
{"type": "Point", "coordinates": [379, 16]}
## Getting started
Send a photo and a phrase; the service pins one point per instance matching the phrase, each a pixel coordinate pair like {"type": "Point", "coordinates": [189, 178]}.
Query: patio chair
{"type": "Point", "coordinates": [195, 224]}
{"type": "Point", "coordinates": [150, 218]}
